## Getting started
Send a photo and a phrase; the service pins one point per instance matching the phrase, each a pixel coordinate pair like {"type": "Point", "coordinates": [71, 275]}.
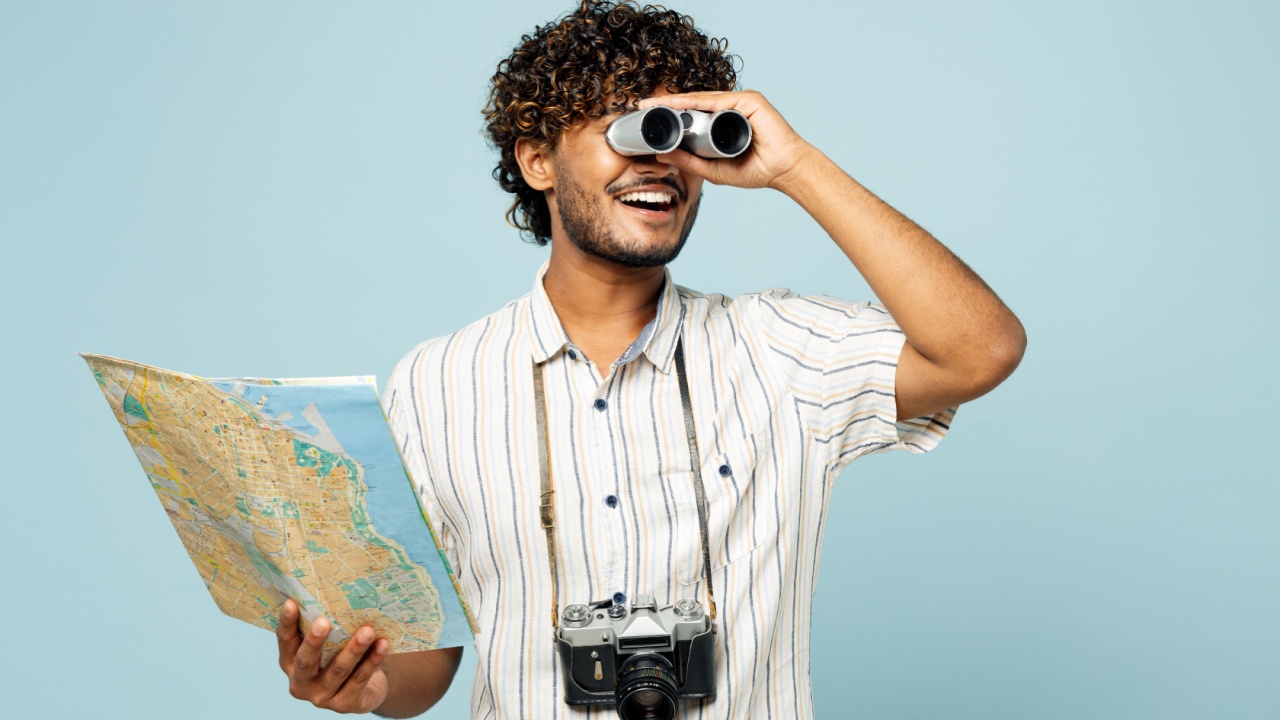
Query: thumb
{"type": "Point", "coordinates": [690, 163]}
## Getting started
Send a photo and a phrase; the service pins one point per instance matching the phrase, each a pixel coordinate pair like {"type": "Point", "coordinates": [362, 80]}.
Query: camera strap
{"type": "Point", "coordinates": [547, 513]}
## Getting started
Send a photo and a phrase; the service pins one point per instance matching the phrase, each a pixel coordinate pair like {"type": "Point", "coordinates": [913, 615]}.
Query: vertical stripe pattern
{"type": "Point", "coordinates": [787, 391]}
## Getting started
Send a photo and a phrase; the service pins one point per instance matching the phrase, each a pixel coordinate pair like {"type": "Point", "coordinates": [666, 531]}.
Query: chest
{"type": "Point", "coordinates": [622, 469]}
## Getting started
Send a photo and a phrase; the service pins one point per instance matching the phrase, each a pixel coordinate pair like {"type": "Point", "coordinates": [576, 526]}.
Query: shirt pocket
{"type": "Point", "coordinates": [741, 489]}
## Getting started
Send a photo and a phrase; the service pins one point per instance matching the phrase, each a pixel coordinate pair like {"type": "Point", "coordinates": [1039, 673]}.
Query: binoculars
{"type": "Point", "coordinates": [660, 129]}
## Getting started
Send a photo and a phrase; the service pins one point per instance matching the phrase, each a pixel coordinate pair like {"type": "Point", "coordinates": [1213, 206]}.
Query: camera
{"type": "Point", "coordinates": [659, 129]}
{"type": "Point", "coordinates": [638, 658]}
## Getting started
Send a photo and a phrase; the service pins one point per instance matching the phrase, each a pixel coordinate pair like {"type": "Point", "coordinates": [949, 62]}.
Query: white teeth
{"type": "Point", "coordinates": [648, 197]}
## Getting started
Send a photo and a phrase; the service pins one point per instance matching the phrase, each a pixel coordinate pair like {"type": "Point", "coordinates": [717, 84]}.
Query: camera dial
{"type": "Point", "coordinates": [689, 609]}
{"type": "Point", "coordinates": [577, 615]}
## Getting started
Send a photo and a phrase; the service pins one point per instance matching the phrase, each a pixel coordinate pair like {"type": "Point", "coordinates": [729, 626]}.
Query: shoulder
{"type": "Point", "coordinates": [438, 357]}
{"type": "Point", "coordinates": [779, 307]}
{"type": "Point", "coordinates": [787, 306]}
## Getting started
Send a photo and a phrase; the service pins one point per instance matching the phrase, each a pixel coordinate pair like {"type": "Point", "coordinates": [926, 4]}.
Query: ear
{"type": "Point", "coordinates": [535, 164]}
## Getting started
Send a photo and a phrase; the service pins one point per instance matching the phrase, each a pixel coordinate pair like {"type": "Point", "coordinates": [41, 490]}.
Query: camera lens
{"type": "Point", "coordinates": [660, 129]}
{"type": "Point", "coordinates": [730, 133]}
{"type": "Point", "coordinates": [647, 688]}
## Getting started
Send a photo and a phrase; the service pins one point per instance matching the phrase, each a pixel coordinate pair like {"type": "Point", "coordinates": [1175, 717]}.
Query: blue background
{"type": "Point", "coordinates": [291, 188]}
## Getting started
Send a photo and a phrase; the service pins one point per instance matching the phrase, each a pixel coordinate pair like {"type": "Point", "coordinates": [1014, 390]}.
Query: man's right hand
{"type": "Point", "coordinates": [352, 682]}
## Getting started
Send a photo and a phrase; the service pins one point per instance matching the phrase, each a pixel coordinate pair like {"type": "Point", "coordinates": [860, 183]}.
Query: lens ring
{"type": "Point", "coordinates": [730, 133]}
{"type": "Point", "coordinates": [661, 129]}
{"type": "Point", "coordinates": [647, 688]}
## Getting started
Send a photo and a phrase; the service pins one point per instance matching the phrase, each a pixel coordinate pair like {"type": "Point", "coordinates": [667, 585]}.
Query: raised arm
{"type": "Point", "coordinates": [961, 339]}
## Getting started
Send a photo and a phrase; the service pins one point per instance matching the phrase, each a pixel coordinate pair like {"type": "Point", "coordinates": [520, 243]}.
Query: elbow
{"type": "Point", "coordinates": [1003, 353]}
{"type": "Point", "coordinates": [1012, 346]}
{"type": "Point", "coordinates": [989, 361]}
{"type": "Point", "coordinates": [979, 364]}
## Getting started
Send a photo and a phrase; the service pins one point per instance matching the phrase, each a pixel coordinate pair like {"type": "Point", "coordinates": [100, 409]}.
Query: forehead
{"type": "Point", "coordinates": [613, 108]}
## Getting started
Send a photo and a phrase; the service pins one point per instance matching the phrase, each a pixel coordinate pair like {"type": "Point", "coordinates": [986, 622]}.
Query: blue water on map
{"type": "Point", "coordinates": [354, 416]}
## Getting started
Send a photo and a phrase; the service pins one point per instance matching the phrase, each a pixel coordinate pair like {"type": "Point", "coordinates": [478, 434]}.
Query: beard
{"type": "Point", "coordinates": [583, 218]}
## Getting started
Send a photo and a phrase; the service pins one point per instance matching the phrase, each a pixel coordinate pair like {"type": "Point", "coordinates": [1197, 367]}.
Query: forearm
{"type": "Point", "coordinates": [948, 314]}
{"type": "Point", "coordinates": [416, 681]}
{"type": "Point", "coordinates": [961, 340]}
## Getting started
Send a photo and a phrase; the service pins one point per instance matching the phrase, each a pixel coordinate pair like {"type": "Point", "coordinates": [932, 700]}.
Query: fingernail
{"type": "Point", "coordinates": [319, 627]}
{"type": "Point", "coordinates": [382, 648]}
{"type": "Point", "coordinates": [365, 636]}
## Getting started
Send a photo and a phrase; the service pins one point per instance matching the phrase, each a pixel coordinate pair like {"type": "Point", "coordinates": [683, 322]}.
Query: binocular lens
{"type": "Point", "coordinates": [730, 133]}
{"type": "Point", "coordinates": [660, 129]}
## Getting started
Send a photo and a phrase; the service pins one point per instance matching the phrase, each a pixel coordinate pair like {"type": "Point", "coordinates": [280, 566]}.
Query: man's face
{"type": "Point", "coordinates": [631, 211]}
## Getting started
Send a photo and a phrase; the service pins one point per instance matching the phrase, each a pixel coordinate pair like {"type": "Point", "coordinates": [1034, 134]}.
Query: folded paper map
{"type": "Point", "coordinates": [291, 489]}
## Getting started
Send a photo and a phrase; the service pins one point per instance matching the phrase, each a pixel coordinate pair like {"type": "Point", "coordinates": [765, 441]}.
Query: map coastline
{"type": "Point", "coordinates": [290, 488]}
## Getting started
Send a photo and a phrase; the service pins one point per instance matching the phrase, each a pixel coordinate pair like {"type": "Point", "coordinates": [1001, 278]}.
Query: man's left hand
{"type": "Point", "coordinates": [776, 150]}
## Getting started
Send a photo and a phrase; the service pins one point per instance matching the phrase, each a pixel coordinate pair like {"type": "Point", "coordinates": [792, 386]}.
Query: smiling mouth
{"type": "Point", "coordinates": [659, 202]}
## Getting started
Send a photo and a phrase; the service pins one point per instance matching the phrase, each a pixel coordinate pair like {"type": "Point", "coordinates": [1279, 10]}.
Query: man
{"type": "Point", "coordinates": [785, 390]}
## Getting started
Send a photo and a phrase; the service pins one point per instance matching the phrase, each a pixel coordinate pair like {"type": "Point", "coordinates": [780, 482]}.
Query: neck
{"type": "Point", "coordinates": [602, 306]}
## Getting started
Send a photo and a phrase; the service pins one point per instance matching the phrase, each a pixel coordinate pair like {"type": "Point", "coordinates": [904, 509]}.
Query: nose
{"type": "Point", "coordinates": [651, 166]}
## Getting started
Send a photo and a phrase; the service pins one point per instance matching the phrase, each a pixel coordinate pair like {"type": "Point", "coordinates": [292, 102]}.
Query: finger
{"type": "Point", "coordinates": [352, 692]}
{"type": "Point", "coordinates": [287, 636]}
{"type": "Point", "coordinates": [306, 663]}
{"type": "Point", "coordinates": [700, 96]}
{"type": "Point", "coordinates": [347, 660]}
{"type": "Point", "coordinates": [705, 101]}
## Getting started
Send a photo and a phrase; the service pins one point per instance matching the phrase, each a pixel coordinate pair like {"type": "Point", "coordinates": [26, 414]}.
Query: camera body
{"type": "Point", "coordinates": [639, 658]}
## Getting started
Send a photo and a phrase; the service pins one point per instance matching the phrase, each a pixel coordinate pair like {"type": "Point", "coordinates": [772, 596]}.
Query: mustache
{"type": "Point", "coordinates": [669, 182]}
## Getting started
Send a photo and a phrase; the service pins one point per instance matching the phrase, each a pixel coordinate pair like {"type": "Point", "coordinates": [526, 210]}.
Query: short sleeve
{"type": "Point", "coordinates": [404, 409]}
{"type": "Point", "coordinates": [839, 360]}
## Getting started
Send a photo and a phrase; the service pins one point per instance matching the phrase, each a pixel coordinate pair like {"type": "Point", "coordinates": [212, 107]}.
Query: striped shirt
{"type": "Point", "coordinates": [787, 390]}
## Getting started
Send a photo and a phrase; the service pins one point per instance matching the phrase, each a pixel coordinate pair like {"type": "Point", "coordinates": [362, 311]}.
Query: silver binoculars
{"type": "Point", "coordinates": [660, 129]}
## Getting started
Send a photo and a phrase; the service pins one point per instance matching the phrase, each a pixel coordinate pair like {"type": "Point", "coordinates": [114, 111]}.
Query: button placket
{"type": "Point", "coordinates": [595, 434]}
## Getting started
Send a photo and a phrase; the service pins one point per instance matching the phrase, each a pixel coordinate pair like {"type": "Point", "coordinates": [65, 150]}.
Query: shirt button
{"type": "Point", "coordinates": [619, 598]}
{"type": "Point", "coordinates": [725, 471]}
{"type": "Point", "coordinates": [573, 355]}
{"type": "Point", "coordinates": [611, 501]}
{"type": "Point", "coordinates": [601, 404]}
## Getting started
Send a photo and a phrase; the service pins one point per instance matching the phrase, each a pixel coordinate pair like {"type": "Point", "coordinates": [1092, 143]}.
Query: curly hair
{"type": "Point", "coordinates": [594, 61]}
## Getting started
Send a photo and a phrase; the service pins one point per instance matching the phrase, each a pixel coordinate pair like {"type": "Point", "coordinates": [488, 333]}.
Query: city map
{"type": "Point", "coordinates": [291, 489]}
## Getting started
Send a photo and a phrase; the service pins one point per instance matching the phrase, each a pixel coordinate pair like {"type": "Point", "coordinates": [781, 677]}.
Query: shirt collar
{"type": "Point", "coordinates": [657, 341]}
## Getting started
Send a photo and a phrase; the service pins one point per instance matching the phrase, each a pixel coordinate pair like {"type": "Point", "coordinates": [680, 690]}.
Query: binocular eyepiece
{"type": "Point", "coordinates": [660, 129]}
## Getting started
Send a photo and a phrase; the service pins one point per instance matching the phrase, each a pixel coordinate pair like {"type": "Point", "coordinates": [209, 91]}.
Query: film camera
{"type": "Point", "coordinates": [640, 659]}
